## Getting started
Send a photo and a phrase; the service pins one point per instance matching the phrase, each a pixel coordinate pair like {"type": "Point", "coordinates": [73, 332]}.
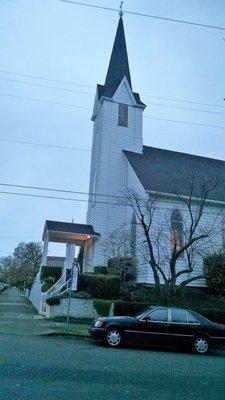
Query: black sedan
{"type": "Point", "coordinates": [160, 326]}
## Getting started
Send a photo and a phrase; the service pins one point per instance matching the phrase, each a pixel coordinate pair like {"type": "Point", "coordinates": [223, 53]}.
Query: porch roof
{"type": "Point", "coordinates": [68, 232]}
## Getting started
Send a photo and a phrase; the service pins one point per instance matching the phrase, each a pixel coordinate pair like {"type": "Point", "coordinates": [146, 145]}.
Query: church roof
{"type": "Point", "coordinates": [69, 227]}
{"type": "Point", "coordinates": [166, 171]}
{"type": "Point", "coordinates": [118, 67]}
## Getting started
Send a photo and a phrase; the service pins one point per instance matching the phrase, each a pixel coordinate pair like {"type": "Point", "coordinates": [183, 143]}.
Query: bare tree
{"type": "Point", "coordinates": [172, 247]}
{"type": "Point", "coordinates": [118, 250]}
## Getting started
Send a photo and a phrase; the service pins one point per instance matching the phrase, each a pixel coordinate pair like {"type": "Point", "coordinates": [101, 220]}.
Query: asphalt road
{"type": "Point", "coordinates": [52, 368]}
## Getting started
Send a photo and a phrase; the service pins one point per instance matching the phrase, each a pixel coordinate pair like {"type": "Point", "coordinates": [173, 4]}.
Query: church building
{"type": "Point", "coordinates": [120, 161]}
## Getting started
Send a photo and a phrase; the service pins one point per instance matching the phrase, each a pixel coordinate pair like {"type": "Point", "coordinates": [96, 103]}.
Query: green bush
{"type": "Point", "coordinates": [102, 307]}
{"type": "Point", "coordinates": [55, 272]}
{"type": "Point", "coordinates": [52, 301]}
{"type": "Point", "coordinates": [125, 267]}
{"type": "Point", "coordinates": [100, 270]}
{"type": "Point", "coordinates": [100, 286]}
{"type": "Point", "coordinates": [50, 279]}
{"type": "Point", "coordinates": [214, 271]}
{"type": "Point", "coordinates": [46, 286]}
{"type": "Point", "coordinates": [129, 308]}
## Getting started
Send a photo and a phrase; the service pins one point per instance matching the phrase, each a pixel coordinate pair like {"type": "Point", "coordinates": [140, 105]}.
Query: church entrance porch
{"type": "Point", "coordinates": [81, 235]}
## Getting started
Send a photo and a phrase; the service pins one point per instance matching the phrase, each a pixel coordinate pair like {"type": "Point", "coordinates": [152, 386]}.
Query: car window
{"type": "Point", "coordinates": [179, 316]}
{"type": "Point", "coordinates": [191, 319]}
{"type": "Point", "coordinates": [159, 315]}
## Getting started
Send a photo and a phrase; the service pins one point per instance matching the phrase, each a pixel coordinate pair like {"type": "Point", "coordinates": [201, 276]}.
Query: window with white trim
{"type": "Point", "coordinates": [122, 114]}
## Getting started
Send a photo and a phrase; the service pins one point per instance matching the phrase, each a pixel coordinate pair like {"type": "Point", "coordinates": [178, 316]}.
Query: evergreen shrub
{"type": "Point", "coordinates": [214, 271]}
{"type": "Point", "coordinates": [102, 307]}
{"type": "Point", "coordinates": [99, 286]}
{"type": "Point", "coordinates": [52, 301]}
{"type": "Point", "coordinates": [100, 270]}
{"type": "Point", "coordinates": [55, 272]}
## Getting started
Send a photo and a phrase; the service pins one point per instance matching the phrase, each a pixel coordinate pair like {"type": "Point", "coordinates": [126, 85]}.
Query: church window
{"type": "Point", "coordinates": [223, 232]}
{"type": "Point", "coordinates": [122, 114]}
{"type": "Point", "coordinates": [176, 230]}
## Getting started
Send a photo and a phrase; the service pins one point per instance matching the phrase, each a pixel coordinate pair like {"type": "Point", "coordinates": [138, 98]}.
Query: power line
{"type": "Point", "coordinates": [45, 79]}
{"type": "Point", "coordinates": [93, 87]}
{"type": "Point", "coordinates": [45, 86]}
{"type": "Point", "coordinates": [147, 15]}
{"type": "Point", "coordinates": [43, 145]}
{"type": "Point", "coordinates": [184, 101]}
{"type": "Point", "coordinates": [57, 190]}
{"type": "Point", "coordinates": [187, 108]}
{"type": "Point", "coordinates": [80, 200]}
{"type": "Point", "coordinates": [53, 197]}
{"type": "Point", "coordinates": [145, 116]}
{"type": "Point", "coordinates": [44, 101]}
{"type": "Point", "coordinates": [185, 122]}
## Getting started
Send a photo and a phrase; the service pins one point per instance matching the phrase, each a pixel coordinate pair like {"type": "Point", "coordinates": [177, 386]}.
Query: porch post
{"type": "Point", "coordinates": [45, 250]}
{"type": "Point", "coordinates": [44, 256]}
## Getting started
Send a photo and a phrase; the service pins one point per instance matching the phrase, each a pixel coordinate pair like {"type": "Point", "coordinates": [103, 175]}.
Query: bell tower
{"type": "Point", "coordinates": [117, 118]}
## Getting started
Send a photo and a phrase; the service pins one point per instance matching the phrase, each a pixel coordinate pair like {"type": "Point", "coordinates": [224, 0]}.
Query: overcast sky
{"type": "Point", "coordinates": [58, 41]}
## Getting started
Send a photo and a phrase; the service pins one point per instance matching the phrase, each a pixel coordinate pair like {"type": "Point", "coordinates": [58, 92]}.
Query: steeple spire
{"type": "Point", "coordinates": [119, 65]}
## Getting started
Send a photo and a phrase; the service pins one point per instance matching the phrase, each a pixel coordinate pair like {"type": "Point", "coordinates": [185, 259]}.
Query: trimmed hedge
{"type": "Point", "coordinates": [102, 307]}
{"type": "Point", "coordinates": [52, 301]}
{"type": "Point", "coordinates": [100, 270]}
{"type": "Point", "coordinates": [214, 271]}
{"type": "Point", "coordinates": [55, 272]}
{"type": "Point", "coordinates": [99, 286]}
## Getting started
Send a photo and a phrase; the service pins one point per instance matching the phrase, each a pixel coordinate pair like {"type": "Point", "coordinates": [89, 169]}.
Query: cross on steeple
{"type": "Point", "coordinates": [121, 10]}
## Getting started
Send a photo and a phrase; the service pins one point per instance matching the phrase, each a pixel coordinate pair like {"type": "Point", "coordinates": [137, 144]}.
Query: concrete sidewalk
{"type": "Point", "coordinates": [18, 317]}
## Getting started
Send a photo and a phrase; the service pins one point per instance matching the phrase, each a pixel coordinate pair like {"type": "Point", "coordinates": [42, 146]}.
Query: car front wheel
{"type": "Point", "coordinates": [114, 337]}
{"type": "Point", "coordinates": [201, 345]}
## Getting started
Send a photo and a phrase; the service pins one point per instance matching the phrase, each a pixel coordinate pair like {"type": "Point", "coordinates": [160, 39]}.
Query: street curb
{"type": "Point", "coordinates": [68, 334]}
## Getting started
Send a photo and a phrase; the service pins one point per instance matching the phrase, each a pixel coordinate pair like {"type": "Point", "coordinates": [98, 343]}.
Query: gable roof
{"type": "Point", "coordinates": [166, 171]}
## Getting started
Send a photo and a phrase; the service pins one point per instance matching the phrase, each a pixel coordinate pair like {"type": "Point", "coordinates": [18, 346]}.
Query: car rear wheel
{"type": "Point", "coordinates": [114, 337]}
{"type": "Point", "coordinates": [201, 345]}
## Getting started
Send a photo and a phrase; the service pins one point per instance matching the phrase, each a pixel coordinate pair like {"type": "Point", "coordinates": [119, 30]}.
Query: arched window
{"type": "Point", "coordinates": [133, 235]}
{"type": "Point", "coordinates": [176, 222]}
{"type": "Point", "coordinates": [223, 232]}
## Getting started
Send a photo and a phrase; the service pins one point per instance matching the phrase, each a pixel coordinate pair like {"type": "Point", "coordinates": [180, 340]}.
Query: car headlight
{"type": "Point", "coordinates": [98, 324]}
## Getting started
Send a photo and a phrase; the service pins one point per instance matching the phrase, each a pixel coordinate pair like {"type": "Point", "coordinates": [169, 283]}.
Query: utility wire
{"type": "Point", "coordinates": [145, 116]}
{"type": "Point", "coordinates": [78, 192]}
{"type": "Point", "coordinates": [57, 190]}
{"type": "Point", "coordinates": [44, 78]}
{"type": "Point", "coordinates": [45, 86]}
{"type": "Point", "coordinates": [147, 15]}
{"type": "Point", "coordinates": [43, 145]}
{"type": "Point", "coordinates": [187, 108]}
{"type": "Point", "coordinates": [93, 87]}
{"type": "Point", "coordinates": [44, 101]}
{"type": "Point", "coordinates": [185, 122]}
